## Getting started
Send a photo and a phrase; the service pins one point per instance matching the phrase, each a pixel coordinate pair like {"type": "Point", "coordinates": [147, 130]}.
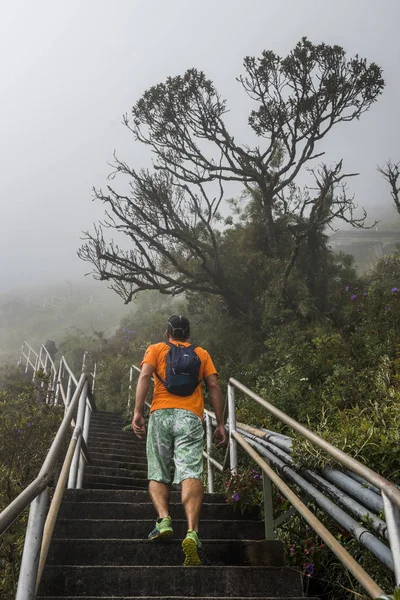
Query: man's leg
{"type": "Point", "coordinates": [192, 499]}
{"type": "Point", "coordinates": [159, 461]}
{"type": "Point", "coordinates": [188, 458]}
{"type": "Point", "coordinates": [159, 493]}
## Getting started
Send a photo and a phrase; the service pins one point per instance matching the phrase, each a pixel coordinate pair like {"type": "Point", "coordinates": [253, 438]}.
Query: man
{"type": "Point", "coordinates": [175, 432]}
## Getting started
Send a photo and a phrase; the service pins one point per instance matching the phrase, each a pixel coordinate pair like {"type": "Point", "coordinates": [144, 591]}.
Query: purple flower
{"type": "Point", "coordinates": [387, 307]}
{"type": "Point", "coordinates": [346, 289]}
{"type": "Point", "coordinates": [18, 431]}
{"type": "Point", "coordinates": [365, 294]}
{"type": "Point", "coordinates": [310, 569]}
{"type": "Point", "coordinates": [394, 290]}
{"type": "Point", "coordinates": [236, 496]}
{"type": "Point", "coordinates": [353, 296]}
{"type": "Point", "coordinates": [292, 550]}
{"type": "Point", "coordinates": [29, 424]}
{"type": "Point", "coordinates": [255, 474]}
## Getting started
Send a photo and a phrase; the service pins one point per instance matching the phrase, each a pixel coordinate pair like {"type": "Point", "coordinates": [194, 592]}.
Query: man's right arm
{"type": "Point", "coordinates": [217, 402]}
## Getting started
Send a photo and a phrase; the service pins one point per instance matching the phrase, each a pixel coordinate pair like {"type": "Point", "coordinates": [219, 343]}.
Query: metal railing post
{"type": "Point", "coordinates": [33, 541]}
{"type": "Point", "coordinates": [69, 392]}
{"type": "Point", "coordinates": [27, 359]}
{"type": "Point", "coordinates": [392, 517]}
{"type": "Point", "coordinates": [130, 389]}
{"type": "Point", "coordinates": [268, 506]}
{"type": "Point", "coordinates": [94, 377]}
{"type": "Point", "coordinates": [210, 468]}
{"type": "Point", "coordinates": [85, 435]}
{"type": "Point", "coordinates": [232, 428]}
{"type": "Point", "coordinates": [49, 525]}
{"type": "Point", "coordinates": [72, 479]}
{"type": "Point", "coordinates": [58, 381]}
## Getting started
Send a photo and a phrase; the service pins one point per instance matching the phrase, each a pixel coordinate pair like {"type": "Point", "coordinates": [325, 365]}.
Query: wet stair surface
{"type": "Point", "coordinates": [100, 547]}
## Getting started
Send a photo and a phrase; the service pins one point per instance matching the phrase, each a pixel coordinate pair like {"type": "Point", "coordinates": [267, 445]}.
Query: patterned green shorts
{"type": "Point", "coordinates": [174, 436]}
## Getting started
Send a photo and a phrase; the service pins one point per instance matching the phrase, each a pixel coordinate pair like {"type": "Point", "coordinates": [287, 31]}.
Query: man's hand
{"type": "Point", "coordinates": [220, 435]}
{"type": "Point", "coordinates": [138, 425]}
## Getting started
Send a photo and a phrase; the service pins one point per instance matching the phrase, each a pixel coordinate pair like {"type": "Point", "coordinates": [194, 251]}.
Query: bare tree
{"type": "Point", "coordinates": [171, 216]}
{"type": "Point", "coordinates": [391, 173]}
{"type": "Point", "coordinates": [313, 209]}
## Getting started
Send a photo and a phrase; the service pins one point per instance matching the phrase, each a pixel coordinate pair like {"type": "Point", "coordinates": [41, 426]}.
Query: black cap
{"type": "Point", "coordinates": [178, 327]}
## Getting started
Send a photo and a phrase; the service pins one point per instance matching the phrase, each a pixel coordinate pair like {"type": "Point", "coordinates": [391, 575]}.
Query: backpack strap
{"type": "Point", "coordinates": [155, 372]}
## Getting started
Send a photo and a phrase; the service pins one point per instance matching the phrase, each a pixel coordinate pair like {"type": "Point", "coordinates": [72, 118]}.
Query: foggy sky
{"type": "Point", "coordinates": [71, 68]}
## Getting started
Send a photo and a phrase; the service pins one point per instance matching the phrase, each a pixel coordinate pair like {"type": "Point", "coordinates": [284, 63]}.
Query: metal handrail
{"type": "Point", "coordinates": [49, 525]}
{"type": "Point", "coordinates": [277, 453]}
{"type": "Point", "coordinates": [373, 589]}
{"type": "Point", "coordinates": [79, 402]}
{"type": "Point", "coordinates": [45, 475]}
{"type": "Point", "coordinates": [347, 461]}
{"type": "Point", "coordinates": [28, 356]}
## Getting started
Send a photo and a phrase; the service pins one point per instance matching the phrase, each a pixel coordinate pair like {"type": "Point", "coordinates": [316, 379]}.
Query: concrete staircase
{"type": "Point", "coordinates": [100, 550]}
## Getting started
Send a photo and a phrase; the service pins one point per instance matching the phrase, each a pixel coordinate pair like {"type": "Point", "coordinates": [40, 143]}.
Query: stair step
{"type": "Point", "coordinates": [102, 414]}
{"type": "Point", "coordinates": [174, 597]}
{"type": "Point", "coordinates": [139, 529]}
{"type": "Point", "coordinates": [117, 447]}
{"type": "Point", "coordinates": [114, 435]}
{"type": "Point", "coordinates": [143, 552]}
{"type": "Point", "coordinates": [124, 453]}
{"type": "Point", "coordinates": [88, 479]}
{"type": "Point", "coordinates": [145, 510]}
{"type": "Point", "coordinates": [115, 472]}
{"type": "Point", "coordinates": [118, 464]}
{"type": "Point", "coordinates": [180, 581]}
{"type": "Point", "coordinates": [126, 496]}
{"type": "Point", "coordinates": [94, 485]}
{"type": "Point", "coordinates": [105, 456]}
{"type": "Point", "coordinates": [117, 440]}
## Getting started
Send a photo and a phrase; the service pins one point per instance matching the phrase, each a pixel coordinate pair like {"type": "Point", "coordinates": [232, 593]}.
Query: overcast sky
{"type": "Point", "coordinates": [70, 68]}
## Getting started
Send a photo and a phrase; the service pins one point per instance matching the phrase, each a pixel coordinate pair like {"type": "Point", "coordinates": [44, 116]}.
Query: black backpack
{"type": "Point", "coordinates": [183, 369]}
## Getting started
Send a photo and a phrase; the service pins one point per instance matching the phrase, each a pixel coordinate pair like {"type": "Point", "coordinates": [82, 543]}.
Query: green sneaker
{"type": "Point", "coordinates": [192, 548]}
{"type": "Point", "coordinates": [162, 530]}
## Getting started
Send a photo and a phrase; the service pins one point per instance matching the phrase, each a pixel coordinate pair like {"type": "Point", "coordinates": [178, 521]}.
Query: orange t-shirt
{"type": "Point", "coordinates": [156, 356]}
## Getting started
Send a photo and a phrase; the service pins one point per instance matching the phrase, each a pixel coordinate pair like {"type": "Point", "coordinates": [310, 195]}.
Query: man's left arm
{"type": "Point", "coordinates": [142, 389]}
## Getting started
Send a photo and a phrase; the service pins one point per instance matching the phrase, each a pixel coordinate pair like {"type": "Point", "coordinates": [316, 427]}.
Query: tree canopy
{"type": "Point", "coordinates": [171, 215]}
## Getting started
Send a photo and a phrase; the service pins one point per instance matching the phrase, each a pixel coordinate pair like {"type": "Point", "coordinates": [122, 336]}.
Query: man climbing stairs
{"type": "Point", "coordinates": [100, 547]}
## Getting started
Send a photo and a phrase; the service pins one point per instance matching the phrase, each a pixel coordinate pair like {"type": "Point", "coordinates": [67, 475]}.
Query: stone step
{"type": "Point", "coordinates": [89, 479]}
{"type": "Point", "coordinates": [117, 440]}
{"type": "Point", "coordinates": [144, 552]}
{"type": "Point", "coordinates": [145, 510]}
{"type": "Point", "coordinates": [109, 430]}
{"type": "Point", "coordinates": [121, 453]}
{"type": "Point", "coordinates": [115, 472]}
{"type": "Point", "coordinates": [114, 424]}
{"type": "Point", "coordinates": [105, 456]}
{"type": "Point", "coordinates": [280, 582]}
{"type": "Point", "coordinates": [126, 496]}
{"type": "Point", "coordinates": [117, 447]}
{"type": "Point", "coordinates": [114, 435]}
{"type": "Point", "coordinates": [94, 485]}
{"type": "Point", "coordinates": [174, 597]}
{"type": "Point", "coordinates": [140, 529]}
{"type": "Point", "coordinates": [108, 421]}
{"type": "Point", "coordinates": [119, 464]}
